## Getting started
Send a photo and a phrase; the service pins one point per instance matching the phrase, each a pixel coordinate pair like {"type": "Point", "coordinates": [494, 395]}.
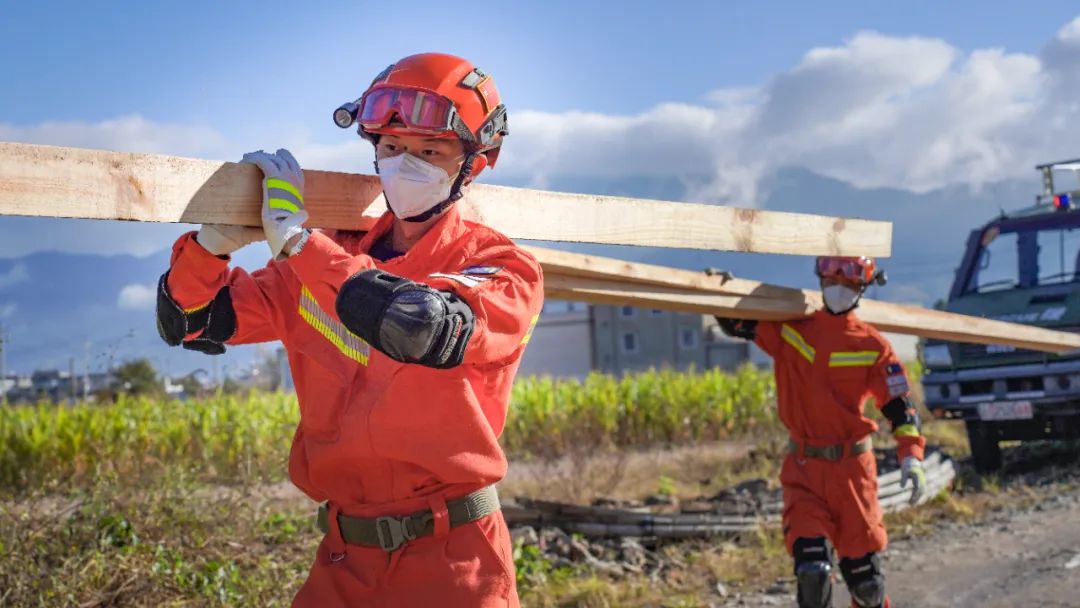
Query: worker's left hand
{"type": "Point", "coordinates": [283, 214]}
{"type": "Point", "coordinates": [912, 469]}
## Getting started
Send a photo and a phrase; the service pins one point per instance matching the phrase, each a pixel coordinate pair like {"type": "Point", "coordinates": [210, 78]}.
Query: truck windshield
{"type": "Point", "coordinates": [1059, 255]}
{"type": "Point", "coordinates": [998, 266]}
{"type": "Point", "coordinates": [1026, 258]}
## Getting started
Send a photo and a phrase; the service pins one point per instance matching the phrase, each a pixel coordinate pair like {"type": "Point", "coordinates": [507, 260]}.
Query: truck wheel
{"type": "Point", "coordinates": [985, 451]}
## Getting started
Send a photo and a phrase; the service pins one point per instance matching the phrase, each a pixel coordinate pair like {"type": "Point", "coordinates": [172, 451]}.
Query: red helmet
{"type": "Point", "coordinates": [432, 94]}
{"type": "Point", "coordinates": [860, 270]}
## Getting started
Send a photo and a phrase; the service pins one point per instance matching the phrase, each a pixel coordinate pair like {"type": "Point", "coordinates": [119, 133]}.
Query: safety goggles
{"type": "Point", "coordinates": [422, 111]}
{"type": "Point", "coordinates": [855, 270]}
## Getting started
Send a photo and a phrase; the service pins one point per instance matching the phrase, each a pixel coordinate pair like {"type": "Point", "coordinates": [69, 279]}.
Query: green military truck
{"type": "Point", "coordinates": [1022, 267]}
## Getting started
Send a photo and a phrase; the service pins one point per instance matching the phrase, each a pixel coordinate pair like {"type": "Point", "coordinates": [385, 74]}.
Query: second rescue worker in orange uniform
{"type": "Point", "coordinates": [403, 343]}
{"type": "Point", "coordinates": [826, 368]}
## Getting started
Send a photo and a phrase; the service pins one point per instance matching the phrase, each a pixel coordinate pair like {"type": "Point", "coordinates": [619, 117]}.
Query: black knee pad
{"type": "Point", "coordinates": [864, 580]}
{"type": "Point", "coordinates": [813, 572]}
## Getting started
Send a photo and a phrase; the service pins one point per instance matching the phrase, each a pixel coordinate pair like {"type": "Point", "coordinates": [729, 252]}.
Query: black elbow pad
{"type": "Point", "coordinates": [216, 321]}
{"type": "Point", "coordinates": [738, 328]}
{"type": "Point", "coordinates": [173, 323]}
{"type": "Point", "coordinates": [405, 320]}
{"type": "Point", "coordinates": [901, 411]}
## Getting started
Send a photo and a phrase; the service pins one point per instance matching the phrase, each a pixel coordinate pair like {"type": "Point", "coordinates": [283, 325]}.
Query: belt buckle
{"type": "Point", "coordinates": [393, 532]}
{"type": "Point", "coordinates": [833, 452]}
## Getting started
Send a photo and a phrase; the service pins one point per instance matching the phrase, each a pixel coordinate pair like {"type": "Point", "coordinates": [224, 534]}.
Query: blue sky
{"type": "Point", "coordinates": [231, 64]}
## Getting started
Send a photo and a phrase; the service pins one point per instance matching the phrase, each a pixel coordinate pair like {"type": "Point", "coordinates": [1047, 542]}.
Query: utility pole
{"type": "Point", "coordinates": [73, 380]}
{"type": "Point", "coordinates": [3, 367]}
{"type": "Point", "coordinates": [86, 371]}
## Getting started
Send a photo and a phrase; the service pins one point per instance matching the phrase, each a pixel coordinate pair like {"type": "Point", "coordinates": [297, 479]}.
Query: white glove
{"type": "Point", "coordinates": [283, 212]}
{"type": "Point", "coordinates": [223, 239]}
{"type": "Point", "coordinates": [912, 469]}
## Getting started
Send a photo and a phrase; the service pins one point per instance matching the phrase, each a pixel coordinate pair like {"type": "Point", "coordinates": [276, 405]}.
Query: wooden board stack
{"type": "Point", "coordinates": [76, 183]}
{"type": "Point", "coordinates": [609, 281]}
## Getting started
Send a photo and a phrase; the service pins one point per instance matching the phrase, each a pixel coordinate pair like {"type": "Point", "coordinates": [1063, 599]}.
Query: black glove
{"type": "Point", "coordinates": [738, 328]}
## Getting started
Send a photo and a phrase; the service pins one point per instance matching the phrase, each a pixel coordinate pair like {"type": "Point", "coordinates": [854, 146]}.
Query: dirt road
{"type": "Point", "coordinates": [1014, 559]}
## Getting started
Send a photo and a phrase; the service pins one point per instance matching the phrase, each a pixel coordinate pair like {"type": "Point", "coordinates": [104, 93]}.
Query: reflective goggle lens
{"type": "Point", "coordinates": [850, 269]}
{"type": "Point", "coordinates": [419, 110]}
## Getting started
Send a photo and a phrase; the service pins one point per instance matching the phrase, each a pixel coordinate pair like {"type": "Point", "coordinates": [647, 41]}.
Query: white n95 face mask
{"type": "Point", "coordinates": [412, 185]}
{"type": "Point", "coordinates": [840, 298]}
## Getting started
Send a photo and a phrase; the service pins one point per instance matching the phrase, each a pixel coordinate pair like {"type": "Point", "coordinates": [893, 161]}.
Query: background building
{"type": "Point", "coordinates": [571, 339]}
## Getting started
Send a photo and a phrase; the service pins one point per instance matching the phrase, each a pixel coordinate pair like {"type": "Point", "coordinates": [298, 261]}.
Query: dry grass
{"type": "Point", "coordinates": [754, 562]}
{"type": "Point", "coordinates": [178, 543]}
{"type": "Point", "coordinates": [680, 472]}
{"type": "Point", "coordinates": [949, 435]}
{"type": "Point", "coordinates": [170, 544]}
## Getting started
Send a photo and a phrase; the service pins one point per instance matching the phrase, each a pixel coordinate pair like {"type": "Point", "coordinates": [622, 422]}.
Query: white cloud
{"type": "Point", "coordinates": [124, 134]}
{"type": "Point", "coordinates": [7, 311]}
{"type": "Point", "coordinates": [17, 274]}
{"type": "Point", "coordinates": [137, 297]}
{"type": "Point", "coordinates": [877, 110]}
{"type": "Point", "coordinates": [135, 133]}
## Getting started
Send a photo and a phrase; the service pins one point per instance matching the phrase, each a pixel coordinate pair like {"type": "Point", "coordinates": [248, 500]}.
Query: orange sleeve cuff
{"type": "Point", "coordinates": [195, 274]}
{"type": "Point", "coordinates": [910, 446]}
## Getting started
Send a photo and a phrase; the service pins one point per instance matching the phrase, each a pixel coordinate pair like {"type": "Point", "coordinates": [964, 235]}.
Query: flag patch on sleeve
{"type": "Point", "coordinates": [896, 380]}
{"type": "Point", "coordinates": [467, 280]}
{"type": "Point", "coordinates": [482, 270]}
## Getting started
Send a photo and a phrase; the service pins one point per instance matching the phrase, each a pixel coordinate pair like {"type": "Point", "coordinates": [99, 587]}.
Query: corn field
{"type": "Point", "coordinates": [226, 437]}
{"type": "Point", "coordinates": [247, 437]}
{"type": "Point", "coordinates": [551, 417]}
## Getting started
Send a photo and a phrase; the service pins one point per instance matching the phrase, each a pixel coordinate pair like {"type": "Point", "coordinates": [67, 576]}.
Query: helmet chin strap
{"type": "Point", "coordinates": [455, 190]}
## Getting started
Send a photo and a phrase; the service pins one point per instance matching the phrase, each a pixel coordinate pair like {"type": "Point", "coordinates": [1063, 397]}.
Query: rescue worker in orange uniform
{"type": "Point", "coordinates": [403, 343]}
{"type": "Point", "coordinates": [826, 368]}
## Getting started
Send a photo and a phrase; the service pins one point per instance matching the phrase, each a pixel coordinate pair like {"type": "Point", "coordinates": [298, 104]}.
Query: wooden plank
{"type": "Point", "coordinates": [596, 291]}
{"type": "Point", "coordinates": [568, 263]}
{"type": "Point", "coordinates": [71, 182]}
{"type": "Point", "coordinates": [941, 325]}
{"type": "Point", "coordinates": [885, 316]}
{"type": "Point", "coordinates": [92, 184]}
{"type": "Point", "coordinates": [557, 216]}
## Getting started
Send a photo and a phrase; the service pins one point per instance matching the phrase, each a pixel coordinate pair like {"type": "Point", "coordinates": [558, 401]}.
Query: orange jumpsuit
{"type": "Point", "coordinates": [826, 368]}
{"type": "Point", "coordinates": [378, 437]}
